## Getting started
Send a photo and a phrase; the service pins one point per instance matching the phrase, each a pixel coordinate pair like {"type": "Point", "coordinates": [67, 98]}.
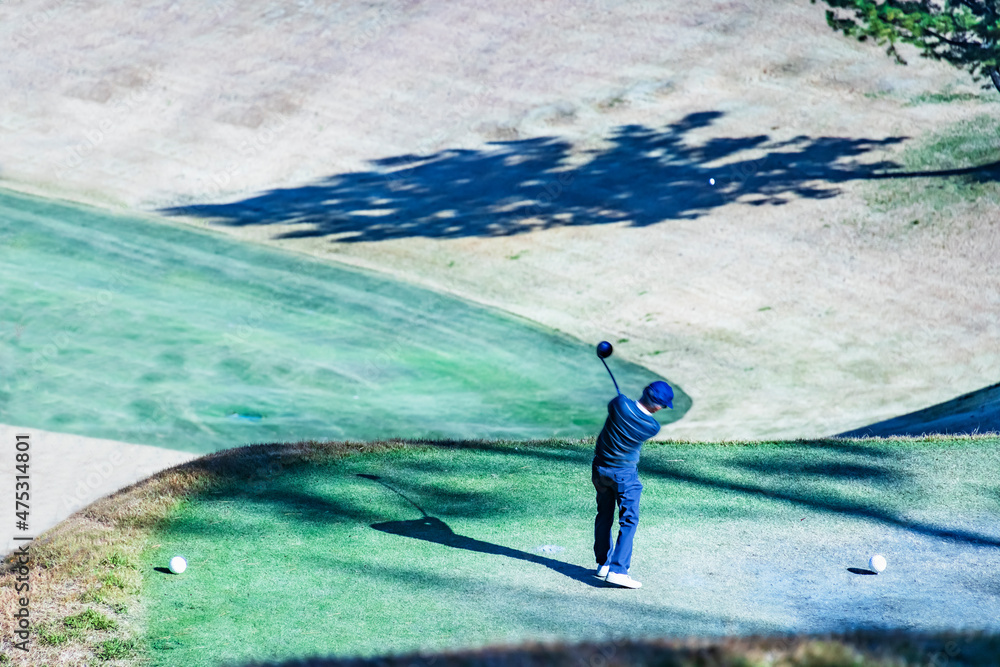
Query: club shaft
{"type": "Point", "coordinates": [612, 375]}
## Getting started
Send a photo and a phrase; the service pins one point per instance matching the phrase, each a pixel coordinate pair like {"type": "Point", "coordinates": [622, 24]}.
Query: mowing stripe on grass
{"type": "Point", "coordinates": [126, 329]}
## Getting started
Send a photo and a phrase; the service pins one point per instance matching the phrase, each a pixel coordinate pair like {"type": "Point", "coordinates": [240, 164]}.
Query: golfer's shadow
{"type": "Point", "coordinates": [432, 529]}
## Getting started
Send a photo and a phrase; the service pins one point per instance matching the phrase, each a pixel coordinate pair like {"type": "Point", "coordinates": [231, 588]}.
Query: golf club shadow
{"type": "Point", "coordinates": [435, 530]}
{"type": "Point", "coordinates": [860, 570]}
{"type": "Point", "coordinates": [164, 570]}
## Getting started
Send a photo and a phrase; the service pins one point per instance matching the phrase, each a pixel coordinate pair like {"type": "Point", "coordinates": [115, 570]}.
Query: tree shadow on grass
{"type": "Point", "coordinates": [646, 176]}
{"type": "Point", "coordinates": [837, 470]}
{"type": "Point", "coordinates": [824, 502]}
{"type": "Point", "coordinates": [983, 173]}
{"type": "Point", "coordinates": [819, 501]}
{"type": "Point", "coordinates": [850, 447]}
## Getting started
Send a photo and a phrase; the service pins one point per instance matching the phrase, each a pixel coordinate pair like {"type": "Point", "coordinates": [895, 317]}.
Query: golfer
{"type": "Point", "coordinates": [616, 478]}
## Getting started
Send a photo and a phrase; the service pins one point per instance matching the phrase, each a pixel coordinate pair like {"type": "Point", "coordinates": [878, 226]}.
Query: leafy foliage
{"type": "Point", "coordinates": [960, 32]}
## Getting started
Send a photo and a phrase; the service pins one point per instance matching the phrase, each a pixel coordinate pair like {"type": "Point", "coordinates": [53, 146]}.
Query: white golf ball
{"type": "Point", "coordinates": [711, 181]}
{"type": "Point", "coordinates": [178, 564]}
{"type": "Point", "coordinates": [876, 563]}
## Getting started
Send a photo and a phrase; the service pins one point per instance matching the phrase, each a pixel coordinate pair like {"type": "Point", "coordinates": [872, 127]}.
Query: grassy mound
{"type": "Point", "coordinates": [975, 412]}
{"type": "Point", "coordinates": [315, 549]}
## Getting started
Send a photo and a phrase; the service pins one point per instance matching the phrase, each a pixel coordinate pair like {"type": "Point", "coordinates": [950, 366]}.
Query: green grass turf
{"type": "Point", "coordinates": [316, 559]}
{"type": "Point", "coordinates": [966, 144]}
{"type": "Point", "coordinates": [122, 328]}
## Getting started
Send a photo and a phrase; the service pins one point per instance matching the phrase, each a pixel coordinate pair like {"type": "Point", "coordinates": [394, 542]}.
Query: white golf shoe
{"type": "Point", "coordinates": [623, 580]}
{"type": "Point", "coordinates": [602, 571]}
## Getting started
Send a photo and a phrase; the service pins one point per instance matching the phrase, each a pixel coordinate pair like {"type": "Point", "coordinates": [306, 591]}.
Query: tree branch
{"type": "Point", "coordinates": [977, 9]}
{"type": "Point", "coordinates": [952, 42]}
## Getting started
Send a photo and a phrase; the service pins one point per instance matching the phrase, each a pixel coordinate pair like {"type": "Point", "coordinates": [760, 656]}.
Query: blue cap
{"type": "Point", "coordinates": [659, 393]}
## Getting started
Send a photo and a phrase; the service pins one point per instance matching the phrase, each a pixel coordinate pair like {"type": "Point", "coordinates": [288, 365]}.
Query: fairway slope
{"type": "Point", "coordinates": [159, 334]}
{"type": "Point", "coordinates": [553, 160]}
{"type": "Point", "coordinates": [975, 412]}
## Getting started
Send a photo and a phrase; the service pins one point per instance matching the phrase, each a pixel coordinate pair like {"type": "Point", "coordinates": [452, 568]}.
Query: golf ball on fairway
{"type": "Point", "coordinates": [178, 564]}
{"type": "Point", "coordinates": [876, 563]}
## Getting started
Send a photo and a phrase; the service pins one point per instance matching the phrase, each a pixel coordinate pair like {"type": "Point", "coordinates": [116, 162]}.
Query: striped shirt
{"type": "Point", "coordinates": [626, 428]}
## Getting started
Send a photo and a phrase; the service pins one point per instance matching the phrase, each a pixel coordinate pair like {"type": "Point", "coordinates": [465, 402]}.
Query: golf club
{"type": "Point", "coordinates": [604, 350]}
